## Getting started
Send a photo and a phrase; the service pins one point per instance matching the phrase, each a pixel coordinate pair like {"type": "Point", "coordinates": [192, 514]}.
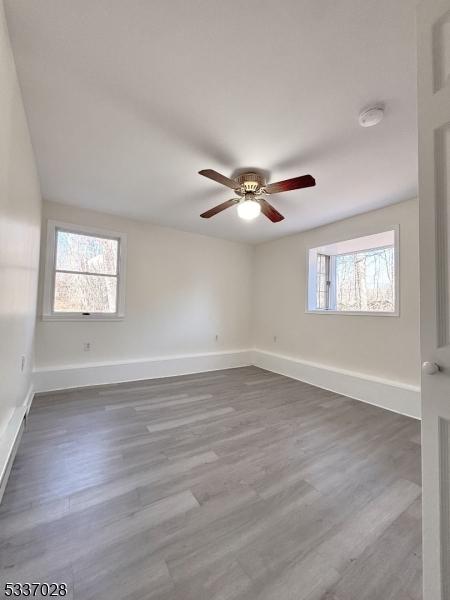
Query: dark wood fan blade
{"type": "Point", "coordinates": [291, 184]}
{"type": "Point", "coordinates": [215, 176]}
{"type": "Point", "coordinates": [269, 211]}
{"type": "Point", "coordinates": [219, 208]}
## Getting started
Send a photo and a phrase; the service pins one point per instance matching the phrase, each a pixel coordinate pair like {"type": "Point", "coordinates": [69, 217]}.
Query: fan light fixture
{"type": "Point", "coordinates": [249, 209]}
{"type": "Point", "coordinates": [250, 189]}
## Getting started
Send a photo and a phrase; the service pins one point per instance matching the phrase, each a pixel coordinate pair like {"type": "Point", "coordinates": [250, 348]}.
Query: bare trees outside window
{"type": "Point", "coordinates": [355, 275]}
{"type": "Point", "coordinates": [365, 280]}
{"type": "Point", "coordinates": [86, 273]}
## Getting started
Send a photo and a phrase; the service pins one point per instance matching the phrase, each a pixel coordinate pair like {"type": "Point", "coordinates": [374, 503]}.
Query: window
{"type": "Point", "coordinates": [357, 276]}
{"type": "Point", "coordinates": [323, 281]}
{"type": "Point", "coordinates": [84, 275]}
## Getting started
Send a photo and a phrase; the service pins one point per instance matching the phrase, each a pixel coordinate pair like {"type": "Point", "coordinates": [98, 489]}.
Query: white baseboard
{"type": "Point", "coordinates": [72, 376]}
{"type": "Point", "coordinates": [29, 399]}
{"type": "Point", "coordinates": [399, 397]}
{"type": "Point", "coordinates": [10, 438]}
{"type": "Point", "coordinates": [392, 395]}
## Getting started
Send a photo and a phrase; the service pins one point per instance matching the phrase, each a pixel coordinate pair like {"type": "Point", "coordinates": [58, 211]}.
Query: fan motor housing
{"type": "Point", "coordinates": [251, 182]}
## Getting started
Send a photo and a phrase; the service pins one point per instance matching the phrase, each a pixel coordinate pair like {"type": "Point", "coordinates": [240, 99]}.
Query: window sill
{"type": "Point", "coordinates": [81, 318]}
{"type": "Point", "coordinates": [353, 313]}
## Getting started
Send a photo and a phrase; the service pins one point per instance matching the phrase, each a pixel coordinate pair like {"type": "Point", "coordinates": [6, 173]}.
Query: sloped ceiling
{"type": "Point", "coordinates": [127, 100]}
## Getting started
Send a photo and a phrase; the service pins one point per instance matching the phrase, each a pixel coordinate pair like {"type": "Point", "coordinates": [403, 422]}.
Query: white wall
{"type": "Point", "coordinates": [181, 290]}
{"type": "Point", "coordinates": [20, 207]}
{"type": "Point", "coordinates": [385, 348]}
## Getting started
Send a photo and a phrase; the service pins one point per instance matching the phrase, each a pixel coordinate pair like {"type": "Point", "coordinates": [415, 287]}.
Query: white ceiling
{"type": "Point", "coordinates": [127, 100]}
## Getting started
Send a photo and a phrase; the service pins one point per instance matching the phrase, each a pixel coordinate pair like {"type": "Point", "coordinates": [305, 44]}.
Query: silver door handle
{"type": "Point", "coordinates": [430, 368]}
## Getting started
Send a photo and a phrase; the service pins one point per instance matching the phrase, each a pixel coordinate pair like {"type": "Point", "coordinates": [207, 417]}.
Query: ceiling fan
{"type": "Point", "coordinates": [250, 189]}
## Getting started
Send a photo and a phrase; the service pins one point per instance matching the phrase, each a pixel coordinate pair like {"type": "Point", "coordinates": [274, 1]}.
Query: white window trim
{"type": "Point", "coordinates": [365, 313]}
{"type": "Point", "coordinates": [50, 268]}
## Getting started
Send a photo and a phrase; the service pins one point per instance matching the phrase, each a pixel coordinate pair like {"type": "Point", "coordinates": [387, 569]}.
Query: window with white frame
{"type": "Point", "coordinates": [84, 275]}
{"type": "Point", "coordinates": [356, 276]}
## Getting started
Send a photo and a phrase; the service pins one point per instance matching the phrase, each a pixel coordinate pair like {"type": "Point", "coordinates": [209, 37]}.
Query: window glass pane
{"type": "Point", "coordinates": [322, 281]}
{"type": "Point", "coordinates": [365, 280]}
{"type": "Point", "coordinates": [77, 252]}
{"type": "Point", "coordinates": [85, 293]}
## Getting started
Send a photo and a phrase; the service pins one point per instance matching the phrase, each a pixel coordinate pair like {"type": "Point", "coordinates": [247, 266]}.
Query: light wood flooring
{"type": "Point", "coordinates": [237, 484]}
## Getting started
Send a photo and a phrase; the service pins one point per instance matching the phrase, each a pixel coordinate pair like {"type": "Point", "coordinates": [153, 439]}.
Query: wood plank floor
{"type": "Point", "coordinates": [237, 484]}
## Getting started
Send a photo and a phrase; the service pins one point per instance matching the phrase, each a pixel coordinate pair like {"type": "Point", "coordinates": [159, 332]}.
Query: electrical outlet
{"type": "Point", "coordinates": [87, 346]}
{"type": "Point", "coordinates": [22, 363]}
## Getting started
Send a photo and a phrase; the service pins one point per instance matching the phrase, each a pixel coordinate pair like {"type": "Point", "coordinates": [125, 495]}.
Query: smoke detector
{"type": "Point", "coordinates": [371, 116]}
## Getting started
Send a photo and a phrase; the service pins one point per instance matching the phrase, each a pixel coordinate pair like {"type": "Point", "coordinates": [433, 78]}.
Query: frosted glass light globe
{"type": "Point", "coordinates": [249, 209]}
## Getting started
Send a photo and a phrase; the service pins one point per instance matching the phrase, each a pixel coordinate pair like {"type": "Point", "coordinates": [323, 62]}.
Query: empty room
{"type": "Point", "coordinates": [225, 299]}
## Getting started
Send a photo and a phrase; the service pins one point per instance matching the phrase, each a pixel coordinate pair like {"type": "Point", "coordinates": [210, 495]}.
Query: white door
{"type": "Point", "coordinates": [433, 24]}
